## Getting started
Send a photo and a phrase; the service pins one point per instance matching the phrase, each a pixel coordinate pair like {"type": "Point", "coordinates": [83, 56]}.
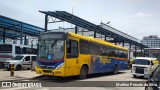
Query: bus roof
{"type": "Point", "coordinates": [96, 41]}
{"type": "Point", "coordinates": [151, 48]}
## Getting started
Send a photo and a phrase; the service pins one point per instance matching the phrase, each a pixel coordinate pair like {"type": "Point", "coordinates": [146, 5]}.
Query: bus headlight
{"type": "Point", "coordinates": [59, 66]}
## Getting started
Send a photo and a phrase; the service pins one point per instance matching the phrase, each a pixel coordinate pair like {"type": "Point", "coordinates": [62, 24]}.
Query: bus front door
{"type": "Point", "coordinates": [71, 57]}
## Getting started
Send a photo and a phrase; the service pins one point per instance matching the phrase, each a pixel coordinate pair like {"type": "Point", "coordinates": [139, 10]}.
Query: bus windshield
{"type": "Point", "coordinates": [51, 49]}
{"type": "Point", "coordinates": [141, 62]}
{"type": "Point", "coordinates": [18, 57]}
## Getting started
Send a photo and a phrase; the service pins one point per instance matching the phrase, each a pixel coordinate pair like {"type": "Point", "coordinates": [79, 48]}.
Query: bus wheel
{"type": "Point", "coordinates": [83, 72]}
{"type": "Point", "coordinates": [115, 70]}
{"type": "Point", "coordinates": [18, 67]}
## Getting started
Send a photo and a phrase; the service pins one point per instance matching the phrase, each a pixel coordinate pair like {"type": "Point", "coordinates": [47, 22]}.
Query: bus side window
{"type": "Point", "coordinates": [17, 50]}
{"type": "Point", "coordinates": [93, 48]}
{"type": "Point", "coordinates": [72, 48]}
{"type": "Point", "coordinates": [84, 47]}
{"type": "Point", "coordinates": [103, 50]}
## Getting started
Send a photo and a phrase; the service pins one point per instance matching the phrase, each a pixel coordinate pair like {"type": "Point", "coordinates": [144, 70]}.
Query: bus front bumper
{"type": "Point", "coordinates": [50, 72]}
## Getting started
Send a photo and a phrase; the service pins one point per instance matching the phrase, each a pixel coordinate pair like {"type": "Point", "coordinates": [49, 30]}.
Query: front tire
{"type": "Point", "coordinates": [18, 67]}
{"type": "Point", "coordinates": [83, 72]}
{"type": "Point", "coordinates": [115, 70]}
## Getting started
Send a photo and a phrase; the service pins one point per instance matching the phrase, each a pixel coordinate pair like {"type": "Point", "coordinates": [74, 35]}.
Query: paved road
{"type": "Point", "coordinates": [98, 80]}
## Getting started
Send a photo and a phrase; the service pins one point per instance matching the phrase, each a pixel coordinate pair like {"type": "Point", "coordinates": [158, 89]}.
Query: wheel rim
{"type": "Point", "coordinates": [115, 69]}
{"type": "Point", "coordinates": [83, 73]}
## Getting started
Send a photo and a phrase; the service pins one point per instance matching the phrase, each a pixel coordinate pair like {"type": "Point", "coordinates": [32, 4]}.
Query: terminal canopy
{"type": "Point", "coordinates": [14, 29]}
{"type": "Point", "coordinates": [65, 16]}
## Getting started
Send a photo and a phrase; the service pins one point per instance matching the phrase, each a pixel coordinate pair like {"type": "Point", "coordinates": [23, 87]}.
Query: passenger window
{"type": "Point", "coordinates": [72, 48]}
{"type": "Point", "coordinates": [94, 48]}
{"type": "Point", "coordinates": [27, 58]}
{"type": "Point", "coordinates": [84, 47]}
{"type": "Point", "coordinates": [103, 51]}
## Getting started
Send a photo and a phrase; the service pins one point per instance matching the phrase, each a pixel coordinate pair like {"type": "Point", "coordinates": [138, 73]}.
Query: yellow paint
{"type": "Point", "coordinates": [155, 61]}
{"type": "Point", "coordinates": [40, 71]}
{"type": "Point", "coordinates": [103, 60]}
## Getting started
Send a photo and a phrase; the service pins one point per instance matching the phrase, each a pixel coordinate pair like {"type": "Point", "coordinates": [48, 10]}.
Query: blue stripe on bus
{"type": "Point", "coordinates": [52, 65]}
{"type": "Point", "coordinates": [101, 65]}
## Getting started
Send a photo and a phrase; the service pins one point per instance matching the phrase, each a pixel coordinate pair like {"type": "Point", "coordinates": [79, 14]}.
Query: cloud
{"type": "Point", "coordinates": [143, 15]}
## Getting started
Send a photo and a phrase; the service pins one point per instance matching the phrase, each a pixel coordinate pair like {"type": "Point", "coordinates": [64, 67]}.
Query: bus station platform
{"type": "Point", "coordinates": [18, 75]}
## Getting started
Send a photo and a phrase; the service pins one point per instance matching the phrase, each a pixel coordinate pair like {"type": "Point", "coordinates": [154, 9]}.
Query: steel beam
{"type": "Point", "coordinates": [46, 23]}
{"type": "Point", "coordinates": [4, 34]}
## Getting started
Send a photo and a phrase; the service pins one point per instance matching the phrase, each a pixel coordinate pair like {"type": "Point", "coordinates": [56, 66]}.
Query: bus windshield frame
{"type": "Point", "coordinates": [51, 48]}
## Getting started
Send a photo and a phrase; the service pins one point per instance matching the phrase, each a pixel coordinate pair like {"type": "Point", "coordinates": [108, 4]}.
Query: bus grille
{"type": "Point", "coordinates": [47, 71]}
{"type": "Point", "coordinates": [140, 70]}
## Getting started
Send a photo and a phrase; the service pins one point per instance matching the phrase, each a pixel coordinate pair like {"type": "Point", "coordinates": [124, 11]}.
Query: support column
{"type": "Point", "coordinates": [135, 51]}
{"type": "Point", "coordinates": [4, 35]}
{"type": "Point", "coordinates": [105, 38]}
{"type": "Point", "coordinates": [76, 29]}
{"type": "Point", "coordinates": [46, 23]}
{"type": "Point", "coordinates": [25, 40]}
{"type": "Point", "coordinates": [115, 43]}
{"type": "Point", "coordinates": [141, 52]}
{"type": "Point", "coordinates": [21, 41]}
{"type": "Point", "coordinates": [123, 44]}
{"type": "Point", "coordinates": [130, 45]}
{"type": "Point", "coordinates": [95, 34]}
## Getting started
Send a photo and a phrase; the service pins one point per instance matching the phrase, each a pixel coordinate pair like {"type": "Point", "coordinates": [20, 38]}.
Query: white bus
{"type": "Point", "coordinates": [8, 51]}
{"type": "Point", "coordinates": [152, 52]}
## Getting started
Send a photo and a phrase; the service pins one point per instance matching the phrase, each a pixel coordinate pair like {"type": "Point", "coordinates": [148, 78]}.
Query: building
{"type": "Point", "coordinates": [152, 41]}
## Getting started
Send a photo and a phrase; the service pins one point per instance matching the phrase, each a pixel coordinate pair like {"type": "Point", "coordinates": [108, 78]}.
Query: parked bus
{"type": "Point", "coordinates": [68, 54]}
{"type": "Point", "coordinates": [7, 51]}
{"type": "Point", "coordinates": [152, 52]}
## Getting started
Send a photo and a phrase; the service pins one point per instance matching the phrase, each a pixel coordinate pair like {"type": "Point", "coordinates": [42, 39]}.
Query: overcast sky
{"type": "Point", "coordinates": [137, 18]}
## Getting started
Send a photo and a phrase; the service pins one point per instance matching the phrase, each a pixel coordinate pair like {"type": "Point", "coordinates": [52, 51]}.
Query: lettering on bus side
{"type": "Point", "coordinates": [104, 60]}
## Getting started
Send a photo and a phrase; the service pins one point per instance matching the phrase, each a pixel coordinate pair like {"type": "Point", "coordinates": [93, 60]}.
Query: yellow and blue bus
{"type": "Point", "coordinates": [67, 54]}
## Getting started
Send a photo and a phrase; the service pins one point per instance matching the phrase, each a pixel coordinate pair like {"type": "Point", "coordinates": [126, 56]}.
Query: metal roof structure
{"type": "Point", "coordinates": [10, 35]}
{"type": "Point", "coordinates": [65, 16]}
{"type": "Point", "coordinates": [11, 28]}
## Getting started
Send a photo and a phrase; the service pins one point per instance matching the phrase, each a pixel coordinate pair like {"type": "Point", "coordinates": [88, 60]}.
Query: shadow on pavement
{"type": "Point", "coordinates": [140, 77]}
{"type": "Point", "coordinates": [71, 78]}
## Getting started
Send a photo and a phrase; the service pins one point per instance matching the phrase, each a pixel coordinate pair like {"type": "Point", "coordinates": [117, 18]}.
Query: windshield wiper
{"type": "Point", "coordinates": [54, 43]}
